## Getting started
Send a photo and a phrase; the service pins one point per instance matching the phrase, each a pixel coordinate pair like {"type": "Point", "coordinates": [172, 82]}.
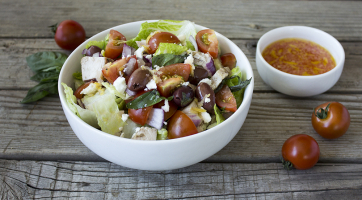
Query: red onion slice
{"type": "Point", "coordinates": [127, 50]}
{"type": "Point", "coordinates": [129, 67]}
{"type": "Point", "coordinates": [210, 67]}
{"type": "Point", "coordinates": [130, 93]}
{"type": "Point", "coordinates": [193, 42]}
{"type": "Point", "coordinates": [156, 118]}
{"type": "Point", "coordinates": [84, 51]}
{"type": "Point", "coordinates": [195, 119]}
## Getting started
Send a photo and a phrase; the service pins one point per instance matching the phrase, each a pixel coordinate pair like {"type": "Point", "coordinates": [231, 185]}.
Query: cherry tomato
{"type": "Point", "coordinates": [77, 92]}
{"type": "Point", "coordinates": [161, 37]}
{"type": "Point", "coordinates": [140, 116]}
{"type": "Point", "coordinates": [171, 111]}
{"type": "Point", "coordinates": [228, 60]}
{"type": "Point", "coordinates": [225, 99]}
{"type": "Point", "coordinates": [302, 151]}
{"type": "Point", "coordinates": [180, 125]}
{"type": "Point", "coordinates": [115, 44]}
{"type": "Point", "coordinates": [331, 120]}
{"type": "Point", "coordinates": [207, 42]}
{"type": "Point", "coordinates": [180, 69]}
{"type": "Point", "coordinates": [111, 71]}
{"type": "Point", "coordinates": [167, 86]}
{"type": "Point", "coordinates": [69, 35]}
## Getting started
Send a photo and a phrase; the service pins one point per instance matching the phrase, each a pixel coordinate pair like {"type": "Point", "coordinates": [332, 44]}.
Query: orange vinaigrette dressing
{"type": "Point", "coordinates": [299, 57]}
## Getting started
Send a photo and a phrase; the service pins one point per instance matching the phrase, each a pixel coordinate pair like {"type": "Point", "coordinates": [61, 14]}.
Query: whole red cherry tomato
{"type": "Point", "coordinates": [300, 151]}
{"type": "Point", "coordinates": [69, 34]}
{"type": "Point", "coordinates": [331, 120]}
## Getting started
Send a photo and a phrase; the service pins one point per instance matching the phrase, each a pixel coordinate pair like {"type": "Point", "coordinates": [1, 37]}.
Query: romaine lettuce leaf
{"type": "Point", "coordinates": [101, 44]}
{"type": "Point", "coordinates": [87, 116]}
{"type": "Point", "coordinates": [177, 28]}
{"type": "Point", "coordinates": [104, 105]}
{"type": "Point", "coordinates": [162, 134]}
{"type": "Point", "coordinates": [219, 117]}
{"type": "Point", "coordinates": [114, 91]}
{"type": "Point", "coordinates": [170, 48]}
{"type": "Point", "coordinates": [239, 95]}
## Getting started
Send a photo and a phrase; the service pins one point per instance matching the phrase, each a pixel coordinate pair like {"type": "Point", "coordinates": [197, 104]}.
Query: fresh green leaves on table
{"type": "Point", "coordinates": [146, 99]}
{"type": "Point", "coordinates": [46, 66]}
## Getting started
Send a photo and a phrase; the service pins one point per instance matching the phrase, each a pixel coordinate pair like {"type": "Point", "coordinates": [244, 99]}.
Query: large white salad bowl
{"type": "Point", "coordinates": [156, 155]}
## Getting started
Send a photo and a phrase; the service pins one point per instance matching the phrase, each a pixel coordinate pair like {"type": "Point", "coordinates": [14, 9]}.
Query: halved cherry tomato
{"type": "Point", "coordinates": [161, 37]}
{"type": "Point", "coordinates": [140, 116]}
{"type": "Point", "coordinates": [167, 86]}
{"type": "Point", "coordinates": [180, 69]}
{"type": "Point", "coordinates": [180, 125]}
{"type": "Point", "coordinates": [115, 44]}
{"type": "Point", "coordinates": [207, 42]}
{"type": "Point", "coordinates": [171, 111]}
{"type": "Point", "coordinates": [335, 121]}
{"type": "Point", "coordinates": [111, 70]}
{"type": "Point", "coordinates": [302, 151]}
{"type": "Point", "coordinates": [228, 60]}
{"type": "Point", "coordinates": [77, 92]}
{"type": "Point", "coordinates": [225, 99]}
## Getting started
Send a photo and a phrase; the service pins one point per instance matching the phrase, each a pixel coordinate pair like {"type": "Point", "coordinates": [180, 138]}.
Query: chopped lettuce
{"type": "Point", "coordinates": [190, 46]}
{"type": "Point", "coordinates": [130, 128]}
{"type": "Point", "coordinates": [77, 83]}
{"type": "Point", "coordinates": [170, 48]}
{"type": "Point", "coordinates": [87, 116]}
{"type": "Point", "coordinates": [219, 117]}
{"type": "Point", "coordinates": [162, 134]}
{"type": "Point", "coordinates": [239, 95]}
{"type": "Point", "coordinates": [101, 44]}
{"type": "Point", "coordinates": [114, 91]}
{"type": "Point", "coordinates": [104, 105]}
{"type": "Point", "coordinates": [177, 28]}
{"type": "Point", "coordinates": [217, 64]}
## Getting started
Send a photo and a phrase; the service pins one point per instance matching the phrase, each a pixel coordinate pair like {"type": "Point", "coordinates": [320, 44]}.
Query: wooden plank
{"type": "Point", "coordinates": [40, 131]}
{"type": "Point", "coordinates": [234, 19]}
{"type": "Point", "coordinates": [103, 180]}
{"type": "Point", "coordinates": [16, 75]}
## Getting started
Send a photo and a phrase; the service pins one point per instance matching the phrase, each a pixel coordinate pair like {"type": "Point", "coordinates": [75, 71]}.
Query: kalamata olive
{"type": "Point", "coordinates": [183, 96]}
{"type": "Point", "coordinates": [199, 74]}
{"type": "Point", "coordinates": [92, 50]}
{"type": "Point", "coordinates": [202, 90]}
{"type": "Point", "coordinates": [227, 114]}
{"type": "Point", "coordinates": [139, 79]}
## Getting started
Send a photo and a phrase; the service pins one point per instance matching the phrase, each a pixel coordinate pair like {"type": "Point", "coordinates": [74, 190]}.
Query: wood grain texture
{"type": "Point", "coordinates": [234, 19]}
{"type": "Point", "coordinates": [16, 74]}
{"type": "Point", "coordinates": [40, 131]}
{"type": "Point", "coordinates": [103, 180]}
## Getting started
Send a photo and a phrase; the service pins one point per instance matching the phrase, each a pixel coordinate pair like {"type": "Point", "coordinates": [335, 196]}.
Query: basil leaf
{"type": "Point", "coordinates": [44, 76]}
{"type": "Point", "coordinates": [41, 90]}
{"type": "Point", "coordinates": [77, 75]}
{"type": "Point", "coordinates": [167, 59]}
{"type": "Point", "coordinates": [223, 82]}
{"type": "Point", "coordinates": [146, 99]}
{"type": "Point", "coordinates": [45, 60]}
{"type": "Point", "coordinates": [241, 85]}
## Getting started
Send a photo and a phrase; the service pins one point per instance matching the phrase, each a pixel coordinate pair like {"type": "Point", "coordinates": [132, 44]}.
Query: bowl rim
{"type": "Point", "coordinates": [300, 77]}
{"type": "Point", "coordinates": [247, 94]}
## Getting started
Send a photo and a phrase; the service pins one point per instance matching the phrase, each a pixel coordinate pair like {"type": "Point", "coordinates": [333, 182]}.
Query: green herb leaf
{"type": "Point", "coordinates": [147, 99]}
{"type": "Point", "coordinates": [219, 117]}
{"type": "Point", "coordinates": [41, 90]}
{"type": "Point", "coordinates": [45, 76]}
{"type": "Point", "coordinates": [77, 75]}
{"type": "Point", "coordinates": [45, 61]}
{"type": "Point", "coordinates": [241, 85]}
{"type": "Point", "coordinates": [167, 59]}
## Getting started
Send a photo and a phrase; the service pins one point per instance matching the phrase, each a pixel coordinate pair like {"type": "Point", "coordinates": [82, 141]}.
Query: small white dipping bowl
{"type": "Point", "coordinates": [156, 155]}
{"type": "Point", "coordinates": [296, 85]}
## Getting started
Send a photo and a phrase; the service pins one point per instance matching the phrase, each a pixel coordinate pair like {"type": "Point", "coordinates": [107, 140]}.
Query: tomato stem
{"type": "Point", "coordinates": [322, 113]}
{"type": "Point", "coordinates": [54, 27]}
{"type": "Point", "coordinates": [287, 164]}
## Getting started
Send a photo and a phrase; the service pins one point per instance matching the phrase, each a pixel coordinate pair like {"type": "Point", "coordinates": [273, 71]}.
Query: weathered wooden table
{"type": "Point", "coordinates": [41, 157]}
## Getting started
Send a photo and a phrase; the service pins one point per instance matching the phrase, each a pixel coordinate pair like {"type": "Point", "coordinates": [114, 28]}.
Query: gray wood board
{"type": "Point", "coordinates": [40, 131]}
{"type": "Point", "coordinates": [234, 19]}
{"type": "Point", "coordinates": [16, 74]}
{"type": "Point", "coordinates": [103, 180]}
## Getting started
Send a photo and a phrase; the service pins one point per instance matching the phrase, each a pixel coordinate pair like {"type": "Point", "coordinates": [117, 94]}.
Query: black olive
{"type": "Point", "coordinates": [202, 90]}
{"type": "Point", "coordinates": [199, 74]}
{"type": "Point", "coordinates": [139, 79]}
{"type": "Point", "coordinates": [92, 50]}
{"type": "Point", "coordinates": [183, 96]}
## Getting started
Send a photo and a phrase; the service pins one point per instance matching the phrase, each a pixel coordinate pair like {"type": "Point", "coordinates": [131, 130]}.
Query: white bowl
{"type": "Point", "coordinates": [296, 85]}
{"type": "Point", "coordinates": [156, 155]}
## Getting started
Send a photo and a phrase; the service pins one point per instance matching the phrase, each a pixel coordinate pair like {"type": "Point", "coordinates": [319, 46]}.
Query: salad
{"type": "Point", "coordinates": [170, 81]}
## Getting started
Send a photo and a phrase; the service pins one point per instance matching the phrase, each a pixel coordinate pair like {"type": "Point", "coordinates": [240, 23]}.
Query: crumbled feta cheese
{"type": "Point", "coordinates": [137, 129]}
{"type": "Point", "coordinates": [120, 128]}
{"type": "Point", "coordinates": [120, 84]}
{"type": "Point", "coordinates": [190, 60]}
{"type": "Point", "coordinates": [205, 80]}
{"type": "Point", "coordinates": [151, 85]}
{"type": "Point", "coordinates": [139, 52]}
{"type": "Point", "coordinates": [165, 123]}
{"type": "Point", "coordinates": [91, 89]}
{"type": "Point", "coordinates": [166, 107]}
{"type": "Point", "coordinates": [157, 67]}
{"type": "Point", "coordinates": [181, 37]}
{"type": "Point", "coordinates": [185, 83]}
{"type": "Point", "coordinates": [124, 117]}
{"type": "Point", "coordinates": [145, 133]}
{"type": "Point", "coordinates": [207, 100]}
{"type": "Point", "coordinates": [149, 56]}
{"type": "Point", "coordinates": [217, 78]}
{"type": "Point", "coordinates": [205, 117]}
{"type": "Point", "coordinates": [141, 43]}
{"type": "Point", "coordinates": [92, 68]}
